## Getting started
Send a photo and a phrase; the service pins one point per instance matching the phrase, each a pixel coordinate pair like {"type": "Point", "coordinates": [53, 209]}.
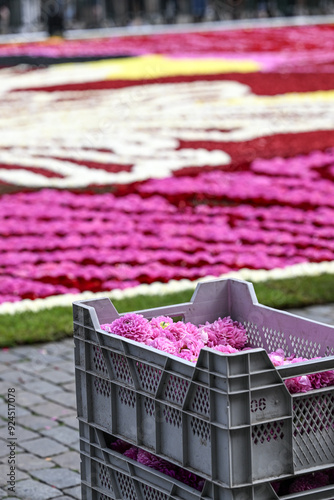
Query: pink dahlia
{"type": "Point", "coordinates": [159, 325]}
{"type": "Point", "coordinates": [298, 384]}
{"type": "Point", "coordinates": [225, 332]}
{"type": "Point", "coordinates": [163, 344]}
{"type": "Point", "coordinates": [131, 326]}
{"type": "Point", "coordinates": [277, 357]}
{"type": "Point", "coordinates": [132, 453]}
{"type": "Point", "coordinates": [225, 348]}
{"type": "Point", "coordinates": [322, 379]}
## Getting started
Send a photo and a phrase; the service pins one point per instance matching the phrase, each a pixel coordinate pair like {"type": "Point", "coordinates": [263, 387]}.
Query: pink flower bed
{"type": "Point", "coordinates": [301, 39]}
{"type": "Point", "coordinates": [266, 202]}
{"type": "Point", "coordinates": [99, 242]}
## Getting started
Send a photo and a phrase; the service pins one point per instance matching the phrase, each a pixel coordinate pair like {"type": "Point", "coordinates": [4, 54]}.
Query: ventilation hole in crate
{"type": "Point", "coordinates": [306, 348]}
{"type": "Point", "coordinates": [313, 415]}
{"type": "Point", "coordinates": [264, 433]}
{"type": "Point", "coordinates": [176, 389]}
{"type": "Point", "coordinates": [102, 387]}
{"type": "Point", "coordinates": [253, 334]}
{"type": "Point", "coordinates": [149, 377]}
{"type": "Point", "coordinates": [121, 368]}
{"type": "Point", "coordinates": [104, 497]}
{"type": "Point", "coordinates": [98, 360]}
{"type": "Point", "coordinates": [201, 401]}
{"type": "Point", "coordinates": [127, 397]}
{"type": "Point", "coordinates": [104, 477]}
{"type": "Point", "coordinates": [126, 486]}
{"type": "Point", "coordinates": [153, 494]}
{"type": "Point", "coordinates": [329, 351]}
{"type": "Point", "coordinates": [200, 429]}
{"type": "Point", "coordinates": [275, 340]}
{"type": "Point", "coordinates": [149, 406]}
{"type": "Point", "coordinates": [173, 417]}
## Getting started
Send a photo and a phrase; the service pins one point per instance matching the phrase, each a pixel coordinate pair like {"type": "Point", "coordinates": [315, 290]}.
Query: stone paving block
{"type": "Point", "coordinates": [74, 492]}
{"type": "Point", "coordinates": [49, 409]}
{"type": "Point", "coordinates": [69, 460]}
{"type": "Point", "coordinates": [59, 348]}
{"type": "Point", "coordinates": [29, 462]}
{"type": "Point", "coordinates": [59, 478]}
{"type": "Point", "coordinates": [3, 493]}
{"type": "Point", "coordinates": [19, 411]}
{"type": "Point", "coordinates": [43, 447]}
{"type": "Point", "coordinates": [75, 446]}
{"type": "Point", "coordinates": [43, 387]}
{"type": "Point", "coordinates": [5, 469]}
{"type": "Point", "coordinates": [70, 355]}
{"type": "Point", "coordinates": [71, 421]}
{"type": "Point", "coordinates": [23, 434]}
{"type": "Point", "coordinates": [16, 377]}
{"type": "Point", "coordinates": [3, 387]}
{"type": "Point", "coordinates": [69, 387]}
{"type": "Point", "coordinates": [41, 355]}
{"type": "Point", "coordinates": [63, 398]}
{"type": "Point", "coordinates": [63, 434]}
{"type": "Point", "coordinates": [26, 398]}
{"type": "Point", "coordinates": [34, 490]}
{"type": "Point", "coordinates": [57, 376]}
{"type": "Point", "coordinates": [6, 356]}
{"type": "Point", "coordinates": [33, 367]}
{"type": "Point", "coordinates": [66, 366]}
{"type": "Point", "coordinates": [3, 448]}
{"type": "Point", "coordinates": [36, 422]}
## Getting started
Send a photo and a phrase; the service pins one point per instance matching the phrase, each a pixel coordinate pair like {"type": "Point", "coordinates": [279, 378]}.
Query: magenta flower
{"type": "Point", "coordinates": [309, 482]}
{"type": "Point", "coordinates": [298, 384]}
{"type": "Point", "coordinates": [131, 326]}
{"type": "Point", "coordinates": [225, 332]}
{"type": "Point", "coordinates": [163, 344]}
{"type": "Point", "coordinates": [120, 446]}
{"type": "Point", "coordinates": [322, 379]}
{"type": "Point", "coordinates": [277, 357]}
{"type": "Point", "coordinates": [131, 453]}
{"type": "Point", "coordinates": [225, 348]}
{"type": "Point", "coordinates": [160, 323]}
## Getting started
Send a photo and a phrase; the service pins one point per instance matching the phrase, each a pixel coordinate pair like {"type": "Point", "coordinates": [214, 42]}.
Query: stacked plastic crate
{"type": "Point", "coordinates": [229, 418]}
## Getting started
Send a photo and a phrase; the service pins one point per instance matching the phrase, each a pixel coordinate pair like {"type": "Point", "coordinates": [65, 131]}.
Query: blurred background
{"type": "Point", "coordinates": [19, 16]}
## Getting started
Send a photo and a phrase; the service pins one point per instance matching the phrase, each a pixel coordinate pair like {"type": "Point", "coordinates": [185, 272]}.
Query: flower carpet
{"type": "Point", "coordinates": [164, 158]}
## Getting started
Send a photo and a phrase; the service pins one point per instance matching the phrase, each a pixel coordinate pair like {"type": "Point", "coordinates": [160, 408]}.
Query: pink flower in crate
{"type": "Point", "coordinates": [159, 325]}
{"type": "Point", "coordinates": [131, 326]}
{"type": "Point", "coordinates": [309, 482]}
{"type": "Point", "coordinates": [225, 348]}
{"type": "Point", "coordinates": [120, 446]}
{"type": "Point", "coordinates": [277, 357]}
{"type": "Point", "coordinates": [163, 344]}
{"type": "Point", "coordinates": [298, 384]}
{"type": "Point", "coordinates": [225, 332]}
{"type": "Point", "coordinates": [322, 379]}
{"type": "Point", "coordinates": [132, 453]}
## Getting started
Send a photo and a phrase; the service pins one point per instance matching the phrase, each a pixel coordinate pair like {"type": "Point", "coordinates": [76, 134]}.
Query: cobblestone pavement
{"type": "Point", "coordinates": [47, 439]}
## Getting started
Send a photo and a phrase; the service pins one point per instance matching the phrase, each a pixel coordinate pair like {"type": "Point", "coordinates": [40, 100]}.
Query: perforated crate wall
{"type": "Point", "coordinates": [108, 475]}
{"type": "Point", "coordinates": [228, 418]}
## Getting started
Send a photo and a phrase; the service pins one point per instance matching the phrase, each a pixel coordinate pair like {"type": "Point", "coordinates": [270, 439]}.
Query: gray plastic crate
{"type": "Point", "coordinates": [228, 418]}
{"type": "Point", "coordinates": [107, 474]}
